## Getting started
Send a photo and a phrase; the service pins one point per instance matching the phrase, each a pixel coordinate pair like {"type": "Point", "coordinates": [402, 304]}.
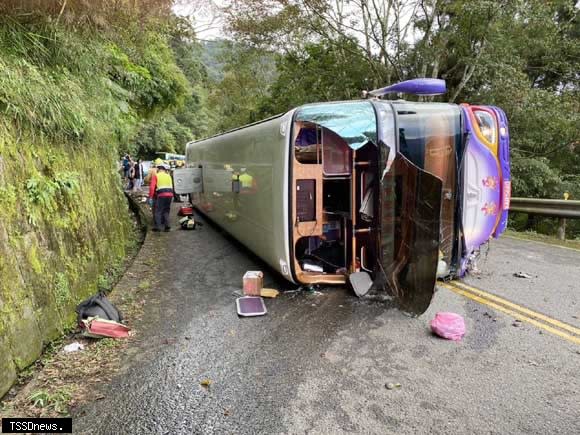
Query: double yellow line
{"type": "Point", "coordinates": [556, 327]}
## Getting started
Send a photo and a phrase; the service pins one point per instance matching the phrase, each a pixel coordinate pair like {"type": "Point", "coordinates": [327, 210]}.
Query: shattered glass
{"type": "Point", "coordinates": [355, 121]}
{"type": "Point", "coordinates": [430, 137]}
{"type": "Point", "coordinates": [410, 219]}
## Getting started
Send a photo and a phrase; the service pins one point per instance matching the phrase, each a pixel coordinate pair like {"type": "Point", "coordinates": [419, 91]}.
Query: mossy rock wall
{"type": "Point", "coordinates": [64, 222]}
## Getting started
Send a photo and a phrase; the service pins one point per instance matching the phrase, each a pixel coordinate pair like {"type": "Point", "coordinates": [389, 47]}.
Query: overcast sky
{"type": "Point", "coordinates": [207, 22]}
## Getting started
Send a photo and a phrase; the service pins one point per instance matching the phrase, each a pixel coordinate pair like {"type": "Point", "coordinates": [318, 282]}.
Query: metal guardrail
{"type": "Point", "coordinates": [547, 207]}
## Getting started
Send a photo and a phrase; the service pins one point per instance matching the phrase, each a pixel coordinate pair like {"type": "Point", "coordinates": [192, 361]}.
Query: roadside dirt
{"type": "Point", "coordinates": [59, 381]}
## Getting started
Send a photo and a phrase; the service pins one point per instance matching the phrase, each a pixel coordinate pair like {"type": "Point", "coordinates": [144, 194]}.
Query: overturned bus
{"type": "Point", "coordinates": [382, 193]}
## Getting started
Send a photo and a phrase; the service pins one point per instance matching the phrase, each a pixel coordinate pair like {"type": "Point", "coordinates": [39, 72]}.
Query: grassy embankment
{"type": "Point", "coordinates": [70, 97]}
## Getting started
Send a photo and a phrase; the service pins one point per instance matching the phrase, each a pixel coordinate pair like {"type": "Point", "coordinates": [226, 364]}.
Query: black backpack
{"type": "Point", "coordinates": [98, 306]}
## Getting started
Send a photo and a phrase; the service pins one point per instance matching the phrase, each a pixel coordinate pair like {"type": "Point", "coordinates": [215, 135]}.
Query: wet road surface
{"type": "Point", "coordinates": [319, 362]}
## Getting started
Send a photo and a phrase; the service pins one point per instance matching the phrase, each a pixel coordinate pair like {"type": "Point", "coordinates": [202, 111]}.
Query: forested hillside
{"type": "Point", "coordinates": [80, 82]}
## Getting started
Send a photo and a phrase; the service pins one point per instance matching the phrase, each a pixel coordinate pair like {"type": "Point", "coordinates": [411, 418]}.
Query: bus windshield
{"type": "Point", "coordinates": [430, 137]}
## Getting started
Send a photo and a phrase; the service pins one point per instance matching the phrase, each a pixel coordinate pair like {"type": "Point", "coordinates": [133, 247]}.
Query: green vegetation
{"type": "Point", "coordinates": [80, 83]}
{"type": "Point", "coordinates": [144, 285]}
{"type": "Point", "coordinates": [535, 237]}
{"type": "Point", "coordinates": [57, 401]}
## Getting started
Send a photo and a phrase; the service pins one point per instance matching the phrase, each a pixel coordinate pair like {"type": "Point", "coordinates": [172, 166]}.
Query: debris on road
{"type": "Point", "coordinates": [187, 223]}
{"type": "Point", "coordinates": [98, 306]}
{"type": "Point", "coordinates": [96, 327]}
{"type": "Point", "coordinates": [99, 318]}
{"type": "Point", "coordinates": [450, 326]}
{"type": "Point", "coordinates": [269, 293]}
{"type": "Point", "coordinates": [522, 275]}
{"type": "Point", "coordinates": [74, 347]}
{"type": "Point", "coordinates": [392, 385]}
{"type": "Point", "coordinates": [205, 383]}
{"type": "Point", "coordinates": [361, 283]}
{"type": "Point", "coordinates": [253, 281]}
{"type": "Point", "coordinates": [185, 211]}
{"type": "Point", "coordinates": [250, 306]}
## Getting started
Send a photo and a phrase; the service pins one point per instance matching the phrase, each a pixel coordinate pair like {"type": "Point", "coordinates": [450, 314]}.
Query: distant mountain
{"type": "Point", "coordinates": [212, 57]}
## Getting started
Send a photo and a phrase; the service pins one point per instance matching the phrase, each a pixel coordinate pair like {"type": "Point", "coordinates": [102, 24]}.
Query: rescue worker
{"type": "Point", "coordinates": [161, 194]}
{"type": "Point", "coordinates": [152, 170]}
{"type": "Point", "coordinates": [247, 182]}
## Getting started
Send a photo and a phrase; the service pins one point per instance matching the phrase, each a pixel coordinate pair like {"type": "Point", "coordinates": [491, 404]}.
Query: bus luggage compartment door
{"type": "Point", "coordinates": [187, 180]}
{"type": "Point", "coordinates": [410, 231]}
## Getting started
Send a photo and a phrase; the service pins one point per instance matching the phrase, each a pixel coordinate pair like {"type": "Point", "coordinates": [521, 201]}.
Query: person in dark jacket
{"type": "Point", "coordinates": [137, 176]}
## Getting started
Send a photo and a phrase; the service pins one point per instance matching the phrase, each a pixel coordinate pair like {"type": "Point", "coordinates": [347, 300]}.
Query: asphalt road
{"type": "Point", "coordinates": [318, 363]}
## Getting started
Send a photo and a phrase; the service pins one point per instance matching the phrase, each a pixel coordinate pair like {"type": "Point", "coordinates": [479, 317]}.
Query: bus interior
{"type": "Point", "coordinates": [335, 198]}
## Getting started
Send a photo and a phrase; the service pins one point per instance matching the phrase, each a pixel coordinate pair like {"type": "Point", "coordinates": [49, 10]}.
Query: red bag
{"type": "Point", "coordinates": [185, 211]}
{"type": "Point", "coordinates": [99, 328]}
{"type": "Point", "coordinates": [448, 325]}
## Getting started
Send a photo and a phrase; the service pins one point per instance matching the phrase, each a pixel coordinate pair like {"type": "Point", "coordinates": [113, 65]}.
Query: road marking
{"type": "Point", "coordinates": [512, 313]}
{"type": "Point", "coordinates": [519, 308]}
{"type": "Point", "coordinates": [541, 243]}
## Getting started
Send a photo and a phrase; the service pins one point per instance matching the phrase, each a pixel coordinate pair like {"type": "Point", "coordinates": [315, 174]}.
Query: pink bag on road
{"type": "Point", "coordinates": [448, 325]}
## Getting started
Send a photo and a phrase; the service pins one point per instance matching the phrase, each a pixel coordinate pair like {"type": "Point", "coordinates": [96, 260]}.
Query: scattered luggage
{"type": "Point", "coordinates": [185, 211]}
{"type": "Point", "coordinates": [269, 293]}
{"type": "Point", "coordinates": [448, 325]}
{"type": "Point", "coordinates": [74, 347]}
{"type": "Point", "coordinates": [187, 223]}
{"type": "Point", "coordinates": [99, 328]}
{"type": "Point", "coordinates": [99, 318]}
{"type": "Point", "coordinates": [98, 306]}
{"type": "Point", "coordinates": [251, 306]}
{"type": "Point", "coordinates": [253, 282]}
